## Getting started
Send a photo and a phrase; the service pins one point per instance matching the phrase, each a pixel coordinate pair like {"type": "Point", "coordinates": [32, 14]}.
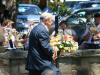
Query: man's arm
{"type": "Point", "coordinates": [45, 43]}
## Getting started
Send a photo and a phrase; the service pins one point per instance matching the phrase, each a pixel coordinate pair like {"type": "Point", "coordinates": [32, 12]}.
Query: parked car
{"type": "Point", "coordinates": [47, 9]}
{"type": "Point", "coordinates": [72, 3]}
{"type": "Point", "coordinates": [86, 4]}
{"type": "Point", "coordinates": [79, 19]}
{"type": "Point", "coordinates": [27, 12]}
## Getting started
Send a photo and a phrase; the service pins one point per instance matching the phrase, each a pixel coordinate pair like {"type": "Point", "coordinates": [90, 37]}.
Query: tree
{"type": "Point", "coordinates": [42, 4]}
{"type": "Point", "coordinates": [60, 9]}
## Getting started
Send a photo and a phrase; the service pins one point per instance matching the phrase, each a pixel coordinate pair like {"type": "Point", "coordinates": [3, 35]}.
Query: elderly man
{"type": "Point", "coordinates": [40, 54]}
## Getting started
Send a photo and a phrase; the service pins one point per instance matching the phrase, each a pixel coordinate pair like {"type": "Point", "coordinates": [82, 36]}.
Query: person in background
{"type": "Point", "coordinates": [7, 23]}
{"type": "Point", "coordinates": [7, 28]}
{"type": "Point", "coordinates": [2, 39]}
{"type": "Point", "coordinates": [92, 40]}
{"type": "Point", "coordinates": [25, 38]}
{"type": "Point", "coordinates": [63, 28]}
{"type": "Point", "coordinates": [13, 37]}
{"type": "Point", "coordinates": [40, 54]}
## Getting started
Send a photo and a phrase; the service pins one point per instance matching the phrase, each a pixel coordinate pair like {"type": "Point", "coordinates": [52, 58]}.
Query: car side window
{"type": "Point", "coordinates": [78, 18]}
{"type": "Point", "coordinates": [72, 20]}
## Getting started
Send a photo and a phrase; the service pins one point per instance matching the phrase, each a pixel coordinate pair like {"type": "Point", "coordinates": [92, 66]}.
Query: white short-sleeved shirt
{"type": "Point", "coordinates": [90, 38]}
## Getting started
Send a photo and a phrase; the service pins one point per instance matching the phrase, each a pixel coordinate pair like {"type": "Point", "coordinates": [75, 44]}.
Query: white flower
{"type": "Point", "coordinates": [59, 43]}
{"type": "Point", "coordinates": [67, 42]}
{"type": "Point", "coordinates": [61, 46]}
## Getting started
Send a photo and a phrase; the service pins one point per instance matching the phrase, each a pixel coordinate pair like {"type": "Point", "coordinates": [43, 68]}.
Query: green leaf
{"type": "Point", "coordinates": [59, 8]}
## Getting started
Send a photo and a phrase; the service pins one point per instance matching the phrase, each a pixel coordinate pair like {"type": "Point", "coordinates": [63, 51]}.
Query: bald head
{"type": "Point", "coordinates": [46, 16]}
{"type": "Point", "coordinates": [47, 19]}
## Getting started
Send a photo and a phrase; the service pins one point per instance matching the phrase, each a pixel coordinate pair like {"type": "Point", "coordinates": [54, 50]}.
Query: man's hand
{"type": "Point", "coordinates": [54, 55]}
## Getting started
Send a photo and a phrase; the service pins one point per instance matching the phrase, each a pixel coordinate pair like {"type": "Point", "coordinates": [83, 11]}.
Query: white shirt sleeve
{"type": "Point", "coordinates": [98, 27]}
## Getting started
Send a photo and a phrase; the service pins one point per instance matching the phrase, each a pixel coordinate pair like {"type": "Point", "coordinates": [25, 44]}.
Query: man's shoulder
{"type": "Point", "coordinates": [39, 28]}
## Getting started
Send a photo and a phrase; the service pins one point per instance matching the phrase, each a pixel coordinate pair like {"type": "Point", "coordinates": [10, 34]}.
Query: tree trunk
{"type": "Point", "coordinates": [30, 1]}
{"type": "Point", "coordinates": [42, 4]}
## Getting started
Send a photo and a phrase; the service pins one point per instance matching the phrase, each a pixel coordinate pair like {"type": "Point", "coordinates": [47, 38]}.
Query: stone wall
{"type": "Point", "coordinates": [13, 63]}
{"type": "Point", "coordinates": [83, 62]}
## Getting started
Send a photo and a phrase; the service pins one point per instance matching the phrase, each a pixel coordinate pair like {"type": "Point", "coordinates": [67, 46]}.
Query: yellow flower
{"type": "Point", "coordinates": [65, 48]}
{"type": "Point", "coordinates": [72, 48]}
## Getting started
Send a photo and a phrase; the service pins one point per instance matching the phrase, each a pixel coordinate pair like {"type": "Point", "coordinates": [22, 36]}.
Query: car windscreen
{"type": "Point", "coordinates": [84, 5]}
{"type": "Point", "coordinates": [29, 10]}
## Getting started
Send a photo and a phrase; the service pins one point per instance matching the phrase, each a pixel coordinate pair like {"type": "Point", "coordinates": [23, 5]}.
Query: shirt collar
{"type": "Point", "coordinates": [45, 26]}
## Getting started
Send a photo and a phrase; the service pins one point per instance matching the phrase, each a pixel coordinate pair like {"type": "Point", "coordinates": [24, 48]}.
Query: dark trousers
{"type": "Point", "coordinates": [45, 72]}
{"type": "Point", "coordinates": [34, 72]}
